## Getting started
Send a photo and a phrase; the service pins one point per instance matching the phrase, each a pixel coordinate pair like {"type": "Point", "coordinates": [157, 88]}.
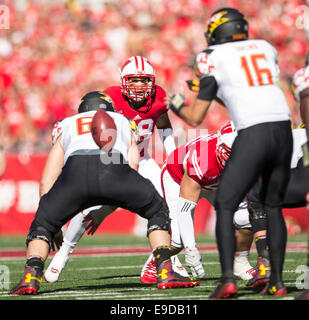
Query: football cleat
{"type": "Point", "coordinates": [242, 268]}
{"type": "Point", "coordinates": [30, 283]}
{"type": "Point", "coordinates": [226, 288]}
{"type": "Point", "coordinates": [262, 274]}
{"type": "Point", "coordinates": [168, 279]}
{"type": "Point", "coordinates": [56, 266]}
{"type": "Point", "coordinates": [304, 295]}
{"type": "Point", "coordinates": [149, 271]}
{"type": "Point", "coordinates": [278, 289]}
{"type": "Point", "coordinates": [194, 262]}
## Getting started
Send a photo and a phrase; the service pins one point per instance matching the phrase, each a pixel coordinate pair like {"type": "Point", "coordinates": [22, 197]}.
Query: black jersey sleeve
{"type": "Point", "coordinates": [208, 88]}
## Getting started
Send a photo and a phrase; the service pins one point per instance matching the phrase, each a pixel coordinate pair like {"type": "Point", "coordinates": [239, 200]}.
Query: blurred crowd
{"type": "Point", "coordinates": [55, 51]}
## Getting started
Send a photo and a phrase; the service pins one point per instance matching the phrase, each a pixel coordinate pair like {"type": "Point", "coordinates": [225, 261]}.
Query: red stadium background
{"type": "Point", "coordinates": [53, 52]}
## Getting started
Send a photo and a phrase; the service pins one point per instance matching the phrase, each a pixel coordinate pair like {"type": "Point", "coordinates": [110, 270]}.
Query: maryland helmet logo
{"type": "Point", "coordinates": [106, 97]}
{"type": "Point", "coordinates": [216, 20]}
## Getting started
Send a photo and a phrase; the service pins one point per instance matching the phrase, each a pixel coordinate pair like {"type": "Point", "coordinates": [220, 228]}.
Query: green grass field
{"type": "Point", "coordinates": [116, 277]}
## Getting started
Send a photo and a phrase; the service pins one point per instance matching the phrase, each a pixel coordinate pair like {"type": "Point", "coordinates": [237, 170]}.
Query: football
{"type": "Point", "coordinates": [103, 130]}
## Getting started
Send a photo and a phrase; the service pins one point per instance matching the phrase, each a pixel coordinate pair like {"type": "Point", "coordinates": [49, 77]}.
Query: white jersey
{"type": "Point", "coordinates": [247, 75]}
{"type": "Point", "coordinates": [300, 81]}
{"type": "Point", "coordinates": [76, 135]}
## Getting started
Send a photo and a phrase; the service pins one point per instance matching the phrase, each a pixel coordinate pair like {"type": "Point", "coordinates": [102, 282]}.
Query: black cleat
{"type": "Point", "coordinates": [30, 283]}
{"type": "Point", "coordinates": [278, 289]}
{"type": "Point", "coordinates": [226, 288]}
{"type": "Point", "coordinates": [304, 295]}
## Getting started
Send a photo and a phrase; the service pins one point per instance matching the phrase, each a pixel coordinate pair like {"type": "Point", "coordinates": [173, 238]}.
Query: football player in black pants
{"type": "Point", "coordinates": [78, 175]}
{"type": "Point", "coordinates": [297, 189]}
{"type": "Point", "coordinates": [243, 75]}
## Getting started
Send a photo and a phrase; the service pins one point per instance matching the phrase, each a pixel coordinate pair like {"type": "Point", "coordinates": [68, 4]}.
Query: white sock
{"type": "Point", "coordinates": [241, 256]}
{"type": "Point", "coordinates": [185, 215]}
{"type": "Point", "coordinates": [75, 231]}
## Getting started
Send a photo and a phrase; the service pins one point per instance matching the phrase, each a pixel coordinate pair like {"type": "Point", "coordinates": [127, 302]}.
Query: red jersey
{"type": "Point", "coordinates": [145, 117]}
{"type": "Point", "coordinates": [199, 157]}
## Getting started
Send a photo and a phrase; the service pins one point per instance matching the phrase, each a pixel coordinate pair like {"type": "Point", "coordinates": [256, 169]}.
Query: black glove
{"type": "Point", "coordinates": [194, 85]}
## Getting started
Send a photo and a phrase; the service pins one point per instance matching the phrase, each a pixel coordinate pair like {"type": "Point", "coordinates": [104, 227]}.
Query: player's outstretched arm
{"type": "Point", "coordinates": [52, 168]}
{"type": "Point", "coordinates": [193, 115]}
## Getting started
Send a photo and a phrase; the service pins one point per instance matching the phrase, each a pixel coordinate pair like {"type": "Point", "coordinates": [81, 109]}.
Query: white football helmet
{"type": "Point", "coordinates": [226, 137]}
{"type": "Point", "coordinates": [137, 67]}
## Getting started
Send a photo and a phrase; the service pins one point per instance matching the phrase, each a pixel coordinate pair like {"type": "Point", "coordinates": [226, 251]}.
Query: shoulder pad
{"type": "Point", "coordinates": [56, 132]}
{"type": "Point", "coordinates": [203, 64]}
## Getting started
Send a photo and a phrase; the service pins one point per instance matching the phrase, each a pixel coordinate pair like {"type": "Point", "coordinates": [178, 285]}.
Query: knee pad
{"type": "Point", "coordinates": [39, 232]}
{"type": "Point", "coordinates": [241, 217]}
{"type": "Point", "coordinates": [159, 221]}
{"type": "Point", "coordinates": [157, 214]}
{"type": "Point", "coordinates": [257, 215]}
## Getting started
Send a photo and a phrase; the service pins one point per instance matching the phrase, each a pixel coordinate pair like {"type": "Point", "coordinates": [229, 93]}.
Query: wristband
{"type": "Point", "coordinates": [177, 103]}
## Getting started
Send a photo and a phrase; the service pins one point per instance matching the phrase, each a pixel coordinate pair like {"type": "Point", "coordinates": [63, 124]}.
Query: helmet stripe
{"type": "Point", "coordinates": [136, 62]}
{"type": "Point", "coordinates": [143, 66]}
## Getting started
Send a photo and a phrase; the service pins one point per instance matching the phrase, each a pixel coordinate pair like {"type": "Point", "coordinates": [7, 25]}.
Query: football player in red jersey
{"type": "Point", "coordinates": [193, 171]}
{"type": "Point", "coordinates": [142, 100]}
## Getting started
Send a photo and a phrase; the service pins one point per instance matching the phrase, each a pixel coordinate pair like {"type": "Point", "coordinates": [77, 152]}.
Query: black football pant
{"type": "Point", "coordinates": [263, 152]}
{"type": "Point", "coordinates": [85, 182]}
{"type": "Point", "coordinates": [296, 190]}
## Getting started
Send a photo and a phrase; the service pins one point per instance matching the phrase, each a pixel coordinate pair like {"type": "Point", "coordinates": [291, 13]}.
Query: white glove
{"type": "Point", "coordinates": [194, 262]}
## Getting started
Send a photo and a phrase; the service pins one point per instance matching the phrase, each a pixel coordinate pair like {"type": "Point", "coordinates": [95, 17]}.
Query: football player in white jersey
{"type": "Point", "coordinates": [78, 175]}
{"type": "Point", "coordinates": [243, 75]}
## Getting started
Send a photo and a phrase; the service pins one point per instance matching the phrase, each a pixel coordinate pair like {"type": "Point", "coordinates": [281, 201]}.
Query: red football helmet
{"type": "Point", "coordinates": [226, 137]}
{"type": "Point", "coordinates": [137, 78]}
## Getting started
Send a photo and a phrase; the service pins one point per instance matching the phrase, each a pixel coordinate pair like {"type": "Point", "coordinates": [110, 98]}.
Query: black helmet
{"type": "Point", "coordinates": [96, 100]}
{"type": "Point", "coordinates": [226, 25]}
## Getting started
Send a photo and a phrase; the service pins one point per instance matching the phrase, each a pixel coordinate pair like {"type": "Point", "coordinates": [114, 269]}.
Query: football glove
{"type": "Point", "coordinates": [177, 102]}
{"type": "Point", "coordinates": [194, 85]}
{"type": "Point", "coordinates": [305, 148]}
{"type": "Point", "coordinates": [57, 240]}
{"type": "Point", "coordinates": [194, 261]}
{"type": "Point", "coordinates": [96, 217]}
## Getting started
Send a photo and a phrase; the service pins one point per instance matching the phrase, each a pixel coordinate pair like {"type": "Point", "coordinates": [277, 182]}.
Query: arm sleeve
{"type": "Point", "coordinates": [208, 88]}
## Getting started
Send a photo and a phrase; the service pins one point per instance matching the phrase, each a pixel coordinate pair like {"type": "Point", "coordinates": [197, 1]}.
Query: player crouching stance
{"type": "Point", "coordinates": [84, 176]}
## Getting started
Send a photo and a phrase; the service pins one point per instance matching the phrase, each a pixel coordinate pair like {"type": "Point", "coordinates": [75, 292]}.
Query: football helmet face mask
{"type": "Point", "coordinates": [226, 25]}
{"type": "Point", "coordinates": [226, 137]}
{"type": "Point", "coordinates": [307, 59]}
{"type": "Point", "coordinates": [137, 78]}
{"type": "Point", "coordinates": [96, 100]}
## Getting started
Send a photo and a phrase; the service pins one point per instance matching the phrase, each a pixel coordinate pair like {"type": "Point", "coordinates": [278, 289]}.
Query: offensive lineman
{"type": "Point", "coordinates": [100, 180]}
{"type": "Point", "coordinates": [141, 99]}
{"type": "Point", "coordinates": [243, 75]}
{"type": "Point", "coordinates": [190, 172]}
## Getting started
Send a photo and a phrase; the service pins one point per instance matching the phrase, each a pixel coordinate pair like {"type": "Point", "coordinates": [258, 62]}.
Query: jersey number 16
{"type": "Point", "coordinates": [255, 69]}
